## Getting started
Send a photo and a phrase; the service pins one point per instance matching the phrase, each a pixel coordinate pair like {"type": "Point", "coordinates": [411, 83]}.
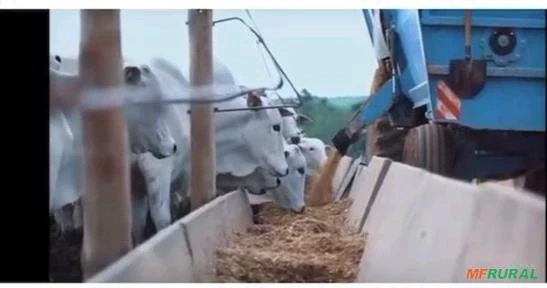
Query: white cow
{"type": "Point", "coordinates": [149, 138]}
{"type": "Point", "coordinates": [245, 140]}
{"type": "Point", "coordinates": [292, 131]}
{"type": "Point", "coordinates": [150, 189]}
{"type": "Point", "coordinates": [290, 193]}
{"type": "Point", "coordinates": [314, 149]}
{"type": "Point", "coordinates": [315, 152]}
{"type": "Point", "coordinates": [61, 145]}
{"type": "Point", "coordinates": [286, 191]}
{"type": "Point", "coordinates": [292, 122]}
{"type": "Point", "coordinates": [154, 173]}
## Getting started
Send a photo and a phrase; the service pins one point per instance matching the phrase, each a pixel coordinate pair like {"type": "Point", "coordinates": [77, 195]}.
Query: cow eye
{"type": "Point", "coordinates": [146, 70]}
{"type": "Point", "coordinates": [276, 127]}
{"type": "Point", "coordinates": [311, 148]}
{"type": "Point", "coordinates": [301, 170]}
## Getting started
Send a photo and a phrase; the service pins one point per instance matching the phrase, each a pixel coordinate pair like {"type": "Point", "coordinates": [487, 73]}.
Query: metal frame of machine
{"type": "Point", "coordinates": [483, 122]}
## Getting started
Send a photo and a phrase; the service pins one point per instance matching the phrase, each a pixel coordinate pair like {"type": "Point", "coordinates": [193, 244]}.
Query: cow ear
{"type": "Point", "coordinates": [285, 112]}
{"type": "Point", "coordinates": [302, 119]}
{"type": "Point", "coordinates": [253, 100]}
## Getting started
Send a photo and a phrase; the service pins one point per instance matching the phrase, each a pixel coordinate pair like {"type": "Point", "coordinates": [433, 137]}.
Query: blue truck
{"type": "Point", "coordinates": [459, 93]}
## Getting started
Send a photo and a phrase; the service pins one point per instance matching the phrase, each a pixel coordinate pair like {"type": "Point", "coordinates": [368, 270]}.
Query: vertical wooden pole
{"type": "Point", "coordinates": [106, 200]}
{"type": "Point", "coordinates": [203, 183]}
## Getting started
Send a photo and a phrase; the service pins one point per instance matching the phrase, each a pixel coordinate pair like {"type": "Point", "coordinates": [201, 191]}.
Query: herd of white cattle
{"type": "Point", "coordinates": [264, 151]}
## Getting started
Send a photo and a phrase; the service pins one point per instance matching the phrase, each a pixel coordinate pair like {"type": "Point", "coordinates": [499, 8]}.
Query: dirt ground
{"type": "Point", "coordinates": [64, 254]}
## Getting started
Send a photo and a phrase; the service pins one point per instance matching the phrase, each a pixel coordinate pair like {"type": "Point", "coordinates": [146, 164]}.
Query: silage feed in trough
{"type": "Point", "coordinates": [315, 246]}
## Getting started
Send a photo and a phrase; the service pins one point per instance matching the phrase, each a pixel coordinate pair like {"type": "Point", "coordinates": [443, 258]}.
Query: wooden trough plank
{"type": "Point", "coordinates": [364, 189]}
{"type": "Point", "coordinates": [346, 180]}
{"type": "Point", "coordinates": [416, 227]}
{"type": "Point", "coordinates": [421, 229]}
{"type": "Point", "coordinates": [185, 251]}
{"type": "Point", "coordinates": [355, 188]}
{"type": "Point", "coordinates": [341, 171]}
{"type": "Point", "coordinates": [509, 230]}
{"type": "Point", "coordinates": [361, 168]}
{"type": "Point", "coordinates": [163, 258]}
{"type": "Point", "coordinates": [213, 226]}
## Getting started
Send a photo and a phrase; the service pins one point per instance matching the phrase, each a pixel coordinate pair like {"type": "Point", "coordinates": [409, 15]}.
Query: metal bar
{"type": "Point", "coordinates": [202, 143]}
{"type": "Point", "coordinates": [120, 97]}
{"type": "Point", "coordinates": [367, 13]}
{"type": "Point", "coordinates": [430, 19]}
{"type": "Point", "coordinates": [435, 69]}
{"type": "Point", "coordinates": [98, 98]}
{"type": "Point", "coordinates": [274, 60]}
{"type": "Point", "coordinates": [216, 109]}
{"type": "Point", "coordinates": [106, 200]}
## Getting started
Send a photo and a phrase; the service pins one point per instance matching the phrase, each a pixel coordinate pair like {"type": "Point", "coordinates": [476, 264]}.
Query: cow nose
{"type": "Point", "coordinates": [286, 154]}
{"type": "Point", "coordinates": [277, 181]}
{"type": "Point", "coordinates": [132, 75]}
{"type": "Point", "coordinates": [295, 140]}
{"type": "Point", "coordinates": [174, 148]}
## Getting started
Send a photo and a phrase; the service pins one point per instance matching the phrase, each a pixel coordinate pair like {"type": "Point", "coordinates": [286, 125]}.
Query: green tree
{"type": "Point", "coordinates": [328, 118]}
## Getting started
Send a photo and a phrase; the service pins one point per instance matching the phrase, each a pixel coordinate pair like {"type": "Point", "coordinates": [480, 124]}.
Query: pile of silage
{"type": "Point", "coordinates": [315, 246]}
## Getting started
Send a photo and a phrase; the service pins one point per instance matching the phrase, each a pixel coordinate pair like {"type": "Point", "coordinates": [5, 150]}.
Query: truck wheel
{"type": "Point", "coordinates": [384, 140]}
{"type": "Point", "coordinates": [429, 146]}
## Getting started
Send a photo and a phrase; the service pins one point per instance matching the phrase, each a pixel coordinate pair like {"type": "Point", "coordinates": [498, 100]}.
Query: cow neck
{"type": "Point", "coordinates": [230, 132]}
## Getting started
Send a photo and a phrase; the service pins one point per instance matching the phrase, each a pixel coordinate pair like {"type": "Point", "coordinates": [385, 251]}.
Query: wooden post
{"type": "Point", "coordinates": [203, 182]}
{"type": "Point", "coordinates": [106, 200]}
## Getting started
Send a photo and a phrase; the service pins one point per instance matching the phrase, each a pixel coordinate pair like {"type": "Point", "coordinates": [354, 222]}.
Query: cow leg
{"type": "Point", "coordinates": [139, 202]}
{"type": "Point", "coordinates": [160, 210]}
{"type": "Point", "coordinates": [157, 176]}
{"type": "Point", "coordinates": [180, 199]}
{"type": "Point", "coordinates": [56, 145]}
{"type": "Point", "coordinates": [140, 209]}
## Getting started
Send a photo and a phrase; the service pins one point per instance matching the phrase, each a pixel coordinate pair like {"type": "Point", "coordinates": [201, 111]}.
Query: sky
{"type": "Point", "coordinates": [327, 52]}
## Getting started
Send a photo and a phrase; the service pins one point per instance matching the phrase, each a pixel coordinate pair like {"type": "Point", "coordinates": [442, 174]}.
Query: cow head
{"type": "Point", "coordinates": [64, 88]}
{"type": "Point", "coordinates": [290, 130]}
{"type": "Point", "coordinates": [314, 151]}
{"type": "Point", "coordinates": [263, 135]}
{"type": "Point", "coordinates": [291, 124]}
{"type": "Point", "coordinates": [148, 125]}
{"type": "Point", "coordinates": [290, 194]}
